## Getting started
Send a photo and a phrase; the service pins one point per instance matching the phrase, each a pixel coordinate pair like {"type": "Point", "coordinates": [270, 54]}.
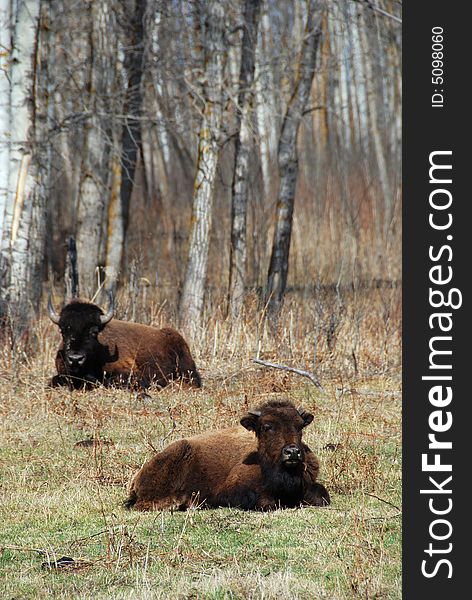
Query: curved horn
{"type": "Point", "coordinates": [106, 318]}
{"type": "Point", "coordinates": [305, 415]}
{"type": "Point", "coordinates": [256, 413]}
{"type": "Point", "coordinates": [51, 312]}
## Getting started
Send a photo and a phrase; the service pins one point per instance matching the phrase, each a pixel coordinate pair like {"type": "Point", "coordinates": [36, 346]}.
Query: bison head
{"type": "Point", "coordinates": [80, 323]}
{"type": "Point", "coordinates": [278, 426]}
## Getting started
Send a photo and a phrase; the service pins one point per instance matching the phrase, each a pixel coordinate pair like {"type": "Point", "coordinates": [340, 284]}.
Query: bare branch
{"type": "Point", "coordinates": [382, 12]}
{"type": "Point", "coordinates": [385, 501]}
{"type": "Point", "coordinates": [311, 376]}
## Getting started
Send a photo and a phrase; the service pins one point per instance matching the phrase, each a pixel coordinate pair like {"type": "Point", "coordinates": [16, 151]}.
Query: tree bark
{"type": "Point", "coordinates": [115, 224]}
{"type": "Point", "coordinates": [191, 302]}
{"type": "Point", "coordinates": [5, 109]}
{"type": "Point", "coordinates": [288, 160]}
{"type": "Point", "coordinates": [266, 109]}
{"type": "Point", "coordinates": [118, 216]}
{"type": "Point", "coordinates": [22, 243]}
{"type": "Point", "coordinates": [94, 183]}
{"type": "Point", "coordinates": [375, 128]}
{"type": "Point", "coordinates": [239, 197]}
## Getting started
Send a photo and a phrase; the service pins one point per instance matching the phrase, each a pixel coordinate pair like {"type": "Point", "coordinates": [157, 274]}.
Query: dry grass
{"type": "Point", "coordinates": [66, 459]}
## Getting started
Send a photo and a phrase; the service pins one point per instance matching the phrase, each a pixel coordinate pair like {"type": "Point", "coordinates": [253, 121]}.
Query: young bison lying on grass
{"type": "Point", "coordinates": [231, 467]}
{"type": "Point", "coordinates": [99, 349]}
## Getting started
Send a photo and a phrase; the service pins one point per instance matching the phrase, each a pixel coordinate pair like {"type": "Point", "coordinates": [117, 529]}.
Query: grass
{"type": "Point", "coordinates": [66, 460]}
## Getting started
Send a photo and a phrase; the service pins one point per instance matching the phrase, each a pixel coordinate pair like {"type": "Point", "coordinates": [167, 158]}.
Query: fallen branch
{"type": "Point", "coordinates": [41, 551]}
{"type": "Point", "coordinates": [306, 374]}
{"type": "Point", "coordinates": [385, 501]}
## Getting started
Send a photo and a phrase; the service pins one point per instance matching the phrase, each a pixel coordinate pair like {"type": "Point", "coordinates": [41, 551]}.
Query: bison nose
{"type": "Point", "coordinates": [75, 360]}
{"type": "Point", "coordinates": [291, 452]}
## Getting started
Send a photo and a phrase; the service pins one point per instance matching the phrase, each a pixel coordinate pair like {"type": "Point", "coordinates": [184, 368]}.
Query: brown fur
{"type": "Point", "coordinates": [232, 467]}
{"type": "Point", "coordinates": [120, 352]}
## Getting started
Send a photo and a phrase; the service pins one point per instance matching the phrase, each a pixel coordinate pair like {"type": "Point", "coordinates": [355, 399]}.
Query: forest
{"type": "Point", "coordinates": [231, 168]}
{"type": "Point", "coordinates": [205, 150]}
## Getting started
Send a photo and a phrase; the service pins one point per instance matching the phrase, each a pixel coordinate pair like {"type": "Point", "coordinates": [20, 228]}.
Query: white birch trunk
{"type": "Point", "coordinates": [265, 101]}
{"type": "Point", "coordinates": [93, 187]}
{"type": "Point", "coordinates": [161, 130]}
{"type": "Point", "coordinates": [191, 302]}
{"type": "Point", "coordinates": [5, 106]}
{"type": "Point", "coordinates": [23, 220]}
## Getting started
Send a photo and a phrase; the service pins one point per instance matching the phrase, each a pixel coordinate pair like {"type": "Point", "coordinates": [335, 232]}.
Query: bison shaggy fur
{"type": "Point", "coordinates": [233, 467]}
{"type": "Point", "coordinates": [117, 352]}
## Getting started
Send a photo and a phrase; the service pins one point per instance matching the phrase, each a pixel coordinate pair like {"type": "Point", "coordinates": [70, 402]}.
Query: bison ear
{"type": "Point", "coordinates": [306, 416]}
{"type": "Point", "coordinates": [251, 420]}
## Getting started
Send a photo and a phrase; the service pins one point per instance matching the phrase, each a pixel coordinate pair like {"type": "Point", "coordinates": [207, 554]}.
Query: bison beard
{"type": "Point", "coordinates": [278, 488]}
{"type": "Point", "coordinates": [232, 468]}
{"type": "Point", "coordinates": [98, 349]}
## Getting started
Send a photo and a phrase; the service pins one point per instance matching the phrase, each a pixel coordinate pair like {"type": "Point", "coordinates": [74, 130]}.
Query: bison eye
{"type": "Point", "coordinates": [267, 427]}
{"type": "Point", "coordinates": [94, 331]}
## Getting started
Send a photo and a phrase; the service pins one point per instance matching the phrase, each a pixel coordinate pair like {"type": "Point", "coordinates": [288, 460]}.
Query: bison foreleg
{"type": "Point", "coordinates": [60, 380]}
{"type": "Point", "coordinates": [241, 488]}
{"type": "Point", "coordinates": [74, 382]}
{"type": "Point", "coordinates": [241, 497]}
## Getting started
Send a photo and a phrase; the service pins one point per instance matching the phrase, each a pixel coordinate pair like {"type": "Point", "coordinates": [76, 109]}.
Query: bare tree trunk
{"type": "Point", "coordinates": [378, 142]}
{"type": "Point", "coordinates": [265, 103]}
{"type": "Point", "coordinates": [191, 302]}
{"type": "Point", "coordinates": [22, 244]}
{"type": "Point", "coordinates": [90, 214]}
{"type": "Point", "coordinates": [94, 184]}
{"type": "Point", "coordinates": [238, 250]}
{"type": "Point", "coordinates": [5, 109]}
{"type": "Point", "coordinates": [288, 160]}
{"type": "Point", "coordinates": [115, 221]}
{"type": "Point", "coordinates": [118, 216]}
{"type": "Point", "coordinates": [71, 276]}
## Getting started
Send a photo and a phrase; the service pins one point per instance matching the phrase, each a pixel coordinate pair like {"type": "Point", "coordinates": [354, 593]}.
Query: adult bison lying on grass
{"type": "Point", "coordinates": [232, 467]}
{"type": "Point", "coordinates": [96, 348]}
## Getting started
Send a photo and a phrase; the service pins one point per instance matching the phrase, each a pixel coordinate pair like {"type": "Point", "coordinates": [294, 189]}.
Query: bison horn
{"type": "Point", "coordinates": [52, 313]}
{"type": "Point", "coordinates": [301, 411]}
{"type": "Point", "coordinates": [256, 413]}
{"type": "Point", "coordinates": [106, 318]}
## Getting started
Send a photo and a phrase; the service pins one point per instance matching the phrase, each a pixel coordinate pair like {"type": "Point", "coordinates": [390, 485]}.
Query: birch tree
{"type": "Point", "coordinates": [288, 159]}
{"type": "Point", "coordinates": [94, 184]}
{"type": "Point", "coordinates": [265, 98]}
{"type": "Point", "coordinates": [22, 178]}
{"type": "Point", "coordinates": [238, 250]}
{"type": "Point", "coordinates": [5, 108]}
{"type": "Point", "coordinates": [191, 302]}
{"type": "Point", "coordinates": [97, 107]}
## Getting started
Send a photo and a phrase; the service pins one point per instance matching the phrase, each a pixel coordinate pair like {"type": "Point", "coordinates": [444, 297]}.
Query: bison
{"type": "Point", "coordinates": [232, 467]}
{"type": "Point", "coordinates": [96, 348]}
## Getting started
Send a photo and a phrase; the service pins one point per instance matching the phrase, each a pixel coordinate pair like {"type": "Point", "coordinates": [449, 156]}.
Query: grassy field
{"type": "Point", "coordinates": [67, 458]}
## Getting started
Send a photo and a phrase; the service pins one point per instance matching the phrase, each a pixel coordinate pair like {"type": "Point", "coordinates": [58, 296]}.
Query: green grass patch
{"type": "Point", "coordinates": [60, 498]}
